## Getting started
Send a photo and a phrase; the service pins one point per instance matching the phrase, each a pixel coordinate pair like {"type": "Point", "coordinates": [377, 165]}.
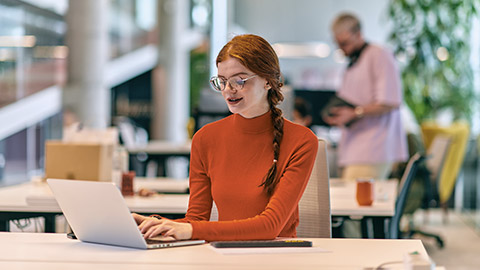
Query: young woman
{"type": "Point", "coordinates": [253, 164]}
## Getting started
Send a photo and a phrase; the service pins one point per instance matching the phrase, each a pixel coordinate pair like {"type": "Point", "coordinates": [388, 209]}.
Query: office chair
{"type": "Point", "coordinates": [404, 186]}
{"type": "Point", "coordinates": [214, 213]}
{"type": "Point", "coordinates": [459, 134]}
{"type": "Point", "coordinates": [314, 206]}
{"type": "Point", "coordinates": [436, 153]}
{"type": "Point", "coordinates": [132, 135]}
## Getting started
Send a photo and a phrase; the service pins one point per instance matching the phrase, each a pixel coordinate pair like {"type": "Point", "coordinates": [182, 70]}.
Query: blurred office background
{"type": "Point", "coordinates": [149, 61]}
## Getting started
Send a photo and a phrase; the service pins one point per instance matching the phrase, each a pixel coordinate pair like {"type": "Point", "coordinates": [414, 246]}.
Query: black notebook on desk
{"type": "Point", "coordinates": [262, 244]}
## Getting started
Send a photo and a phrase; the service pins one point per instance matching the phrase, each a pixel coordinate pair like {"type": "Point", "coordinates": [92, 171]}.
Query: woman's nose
{"type": "Point", "coordinates": [230, 88]}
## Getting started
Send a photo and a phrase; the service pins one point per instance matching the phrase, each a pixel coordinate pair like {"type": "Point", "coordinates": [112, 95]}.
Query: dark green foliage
{"type": "Point", "coordinates": [420, 28]}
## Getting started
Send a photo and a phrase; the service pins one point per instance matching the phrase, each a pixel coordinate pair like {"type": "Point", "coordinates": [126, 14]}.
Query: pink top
{"type": "Point", "coordinates": [373, 139]}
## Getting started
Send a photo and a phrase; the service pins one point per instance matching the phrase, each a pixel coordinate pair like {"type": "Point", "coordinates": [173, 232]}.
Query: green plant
{"type": "Point", "coordinates": [432, 38]}
{"type": "Point", "coordinates": [199, 73]}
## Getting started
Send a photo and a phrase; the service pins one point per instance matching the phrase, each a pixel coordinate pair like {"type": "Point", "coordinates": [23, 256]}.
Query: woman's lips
{"type": "Point", "coordinates": [234, 101]}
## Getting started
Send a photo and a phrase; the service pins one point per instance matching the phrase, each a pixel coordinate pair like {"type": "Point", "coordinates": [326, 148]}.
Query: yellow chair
{"type": "Point", "coordinates": [458, 133]}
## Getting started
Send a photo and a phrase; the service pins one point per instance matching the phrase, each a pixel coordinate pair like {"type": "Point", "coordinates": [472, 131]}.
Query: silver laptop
{"type": "Point", "coordinates": [97, 213]}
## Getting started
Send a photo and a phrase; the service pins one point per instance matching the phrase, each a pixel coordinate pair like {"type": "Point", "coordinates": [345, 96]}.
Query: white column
{"type": "Point", "coordinates": [218, 35]}
{"type": "Point", "coordinates": [171, 92]}
{"type": "Point", "coordinates": [87, 39]}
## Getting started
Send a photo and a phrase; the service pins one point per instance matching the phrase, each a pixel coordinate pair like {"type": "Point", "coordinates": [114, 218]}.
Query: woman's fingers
{"type": "Point", "coordinates": [147, 224]}
{"type": "Point", "coordinates": [157, 230]}
{"type": "Point", "coordinates": [138, 218]}
{"type": "Point", "coordinates": [170, 232]}
{"type": "Point", "coordinates": [152, 227]}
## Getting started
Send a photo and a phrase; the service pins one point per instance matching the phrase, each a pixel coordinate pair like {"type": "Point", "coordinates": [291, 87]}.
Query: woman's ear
{"type": "Point", "coordinates": [267, 85]}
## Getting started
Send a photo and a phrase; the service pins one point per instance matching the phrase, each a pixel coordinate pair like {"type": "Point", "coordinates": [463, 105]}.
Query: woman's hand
{"type": "Point", "coordinates": [139, 218]}
{"type": "Point", "coordinates": [151, 226]}
{"type": "Point", "coordinates": [340, 116]}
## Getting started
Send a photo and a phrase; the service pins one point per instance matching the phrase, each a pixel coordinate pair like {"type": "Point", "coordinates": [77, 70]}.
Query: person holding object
{"type": "Point", "coordinates": [373, 138]}
{"type": "Point", "coordinates": [253, 164]}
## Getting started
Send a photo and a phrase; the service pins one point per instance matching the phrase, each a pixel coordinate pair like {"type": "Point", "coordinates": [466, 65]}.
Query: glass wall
{"type": "Point", "coordinates": [32, 41]}
{"type": "Point", "coordinates": [22, 154]}
{"type": "Point", "coordinates": [32, 51]}
{"type": "Point", "coordinates": [132, 25]}
{"type": "Point", "coordinates": [32, 58]}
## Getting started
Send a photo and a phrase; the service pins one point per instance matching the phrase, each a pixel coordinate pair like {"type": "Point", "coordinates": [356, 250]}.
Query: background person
{"type": "Point", "coordinates": [374, 138]}
{"type": "Point", "coordinates": [302, 112]}
{"type": "Point", "coordinates": [253, 164]}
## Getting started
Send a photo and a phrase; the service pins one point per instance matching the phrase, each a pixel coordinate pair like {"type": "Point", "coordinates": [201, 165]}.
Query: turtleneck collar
{"type": "Point", "coordinates": [259, 124]}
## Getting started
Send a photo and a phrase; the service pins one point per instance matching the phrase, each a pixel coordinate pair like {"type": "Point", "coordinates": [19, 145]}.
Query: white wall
{"type": "Point", "coordinates": [309, 20]}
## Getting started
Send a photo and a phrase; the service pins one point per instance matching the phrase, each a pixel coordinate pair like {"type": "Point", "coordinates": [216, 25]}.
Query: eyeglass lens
{"type": "Point", "coordinates": [220, 84]}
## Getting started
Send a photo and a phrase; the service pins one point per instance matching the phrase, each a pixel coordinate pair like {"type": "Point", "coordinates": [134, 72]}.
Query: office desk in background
{"type": "Point", "coordinates": [343, 199]}
{"type": "Point", "coordinates": [344, 206]}
{"type": "Point", "coordinates": [34, 199]}
{"type": "Point", "coordinates": [55, 251]}
{"type": "Point", "coordinates": [158, 151]}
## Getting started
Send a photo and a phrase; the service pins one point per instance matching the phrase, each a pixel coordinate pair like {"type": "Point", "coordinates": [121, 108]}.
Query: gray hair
{"type": "Point", "coordinates": [346, 22]}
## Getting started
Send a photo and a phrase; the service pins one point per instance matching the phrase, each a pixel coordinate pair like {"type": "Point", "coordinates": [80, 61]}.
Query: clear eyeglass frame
{"type": "Point", "coordinates": [219, 84]}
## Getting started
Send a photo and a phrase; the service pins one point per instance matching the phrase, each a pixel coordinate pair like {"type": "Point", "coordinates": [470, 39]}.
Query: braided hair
{"type": "Point", "coordinates": [256, 54]}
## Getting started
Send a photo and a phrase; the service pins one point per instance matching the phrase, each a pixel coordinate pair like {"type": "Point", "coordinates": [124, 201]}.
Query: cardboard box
{"type": "Point", "coordinates": [80, 161]}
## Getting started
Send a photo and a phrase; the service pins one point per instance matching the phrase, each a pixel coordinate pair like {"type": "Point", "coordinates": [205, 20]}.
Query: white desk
{"type": "Point", "coordinates": [161, 184]}
{"type": "Point", "coordinates": [342, 195]}
{"type": "Point", "coordinates": [14, 204]}
{"type": "Point", "coordinates": [344, 205]}
{"type": "Point", "coordinates": [35, 199]}
{"type": "Point", "coordinates": [343, 200]}
{"type": "Point", "coordinates": [55, 251]}
{"type": "Point", "coordinates": [162, 148]}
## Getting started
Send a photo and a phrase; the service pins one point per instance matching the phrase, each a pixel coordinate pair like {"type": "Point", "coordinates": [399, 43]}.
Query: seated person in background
{"type": "Point", "coordinates": [302, 112]}
{"type": "Point", "coordinates": [253, 164]}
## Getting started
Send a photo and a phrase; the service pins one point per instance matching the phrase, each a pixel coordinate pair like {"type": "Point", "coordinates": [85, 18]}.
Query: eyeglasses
{"type": "Point", "coordinates": [236, 83]}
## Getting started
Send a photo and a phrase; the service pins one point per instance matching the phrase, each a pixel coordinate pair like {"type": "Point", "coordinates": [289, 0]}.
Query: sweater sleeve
{"type": "Point", "coordinates": [282, 204]}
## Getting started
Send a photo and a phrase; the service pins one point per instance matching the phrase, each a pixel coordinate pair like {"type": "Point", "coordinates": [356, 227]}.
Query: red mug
{"type": "Point", "coordinates": [365, 191]}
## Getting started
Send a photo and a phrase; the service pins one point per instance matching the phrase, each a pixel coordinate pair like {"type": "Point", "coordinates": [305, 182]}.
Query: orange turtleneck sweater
{"type": "Point", "coordinates": [229, 160]}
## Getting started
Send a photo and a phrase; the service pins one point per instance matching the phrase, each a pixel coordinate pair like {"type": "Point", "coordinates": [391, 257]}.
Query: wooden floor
{"type": "Point", "coordinates": [461, 235]}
